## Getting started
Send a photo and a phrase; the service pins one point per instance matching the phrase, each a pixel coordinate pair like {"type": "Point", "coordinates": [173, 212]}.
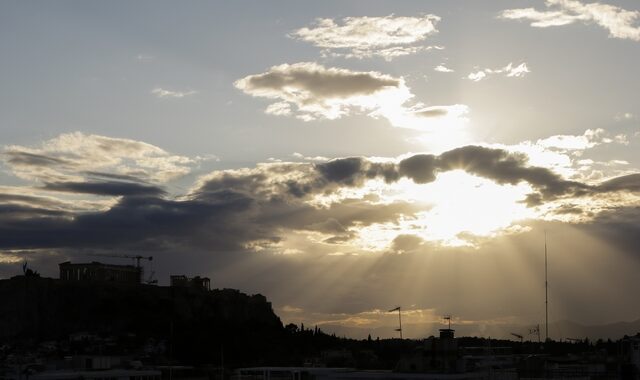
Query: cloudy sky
{"type": "Point", "coordinates": [341, 158]}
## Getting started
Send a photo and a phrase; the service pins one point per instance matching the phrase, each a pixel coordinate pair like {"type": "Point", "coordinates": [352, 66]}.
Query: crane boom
{"type": "Point", "coordinates": [137, 258]}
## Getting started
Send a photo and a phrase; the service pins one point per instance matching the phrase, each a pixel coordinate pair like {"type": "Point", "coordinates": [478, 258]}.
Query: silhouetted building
{"type": "Point", "coordinates": [95, 271]}
{"type": "Point", "coordinates": [630, 351]}
{"type": "Point", "coordinates": [182, 281]}
{"type": "Point", "coordinates": [437, 355]}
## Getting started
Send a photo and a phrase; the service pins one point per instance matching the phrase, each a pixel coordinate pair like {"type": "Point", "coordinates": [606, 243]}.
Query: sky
{"type": "Point", "coordinates": [342, 158]}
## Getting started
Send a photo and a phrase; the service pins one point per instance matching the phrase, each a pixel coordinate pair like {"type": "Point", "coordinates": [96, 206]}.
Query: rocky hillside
{"type": "Point", "coordinates": [198, 323]}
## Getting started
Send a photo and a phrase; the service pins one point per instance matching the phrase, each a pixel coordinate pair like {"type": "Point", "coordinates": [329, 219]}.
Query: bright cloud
{"type": "Point", "coordinates": [346, 205]}
{"type": "Point", "coordinates": [319, 92]}
{"type": "Point", "coordinates": [301, 156]}
{"type": "Point", "coordinates": [311, 91]}
{"type": "Point", "coordinates": [508, 70]}
{"type": "Point", "coordinates": [78, 156]}
{"type": "Point", "coordinates": [590, 139]}
{"type": "Point", "coordinates": [163, 93]}
{"type": "Point", "coordinates": [564, 154]}
{"type": "Point", "coordinates": [388, 37]}
{"type": "Point", "coordinates": [443, 69]}
{"type": "Point", "coordinates": [620, 23]}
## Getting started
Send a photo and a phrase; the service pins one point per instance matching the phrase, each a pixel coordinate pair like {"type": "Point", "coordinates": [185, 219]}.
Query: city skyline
{"type": "Point", "coordinates": [340, 158]}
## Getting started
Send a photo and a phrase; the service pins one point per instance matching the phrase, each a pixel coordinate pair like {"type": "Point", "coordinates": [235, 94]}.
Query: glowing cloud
{"type": "Point", "coordinates": [330, 93]}
{"type": "Point", "coordinates": [352, 204]}
{"type": "Point", "coordinates": [509, 71]}
{"type": "Point", "coordinates": [620, 23]}
{"type": "Point", "coordinates": [78, 156]}
{"type": "Point", "coordinates": [388, 37]}
{"type": "Point", "coordinates": [443, 69]}
{"type": "Point", "coordinates": [163, 93]}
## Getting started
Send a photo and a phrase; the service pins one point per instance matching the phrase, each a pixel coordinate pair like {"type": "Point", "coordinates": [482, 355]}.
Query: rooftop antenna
{"type": "Point", "coordinates": [546, 291]}
{"type": "Point", "coordinates": [399, 319]}
{"type": "Point", "coordinates": [448, 318]}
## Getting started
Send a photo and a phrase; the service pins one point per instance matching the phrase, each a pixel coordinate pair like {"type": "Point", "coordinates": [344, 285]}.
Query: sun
{"type": "Point", "coordinates": [449, 210]}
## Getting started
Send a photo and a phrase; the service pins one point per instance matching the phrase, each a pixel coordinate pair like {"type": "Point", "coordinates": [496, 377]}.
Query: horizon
{"type": "Point", "coordinates": [561, 331]}
{"type": "Point", "coordinates": [342, 159]}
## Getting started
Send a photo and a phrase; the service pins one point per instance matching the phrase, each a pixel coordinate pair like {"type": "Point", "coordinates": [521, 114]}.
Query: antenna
{"type": "Point", "coordinates": [546, 291]}
{"type": "Point", "coordinates": [399, 319]}
{"type": "Point", "coordinates": [448, 318]}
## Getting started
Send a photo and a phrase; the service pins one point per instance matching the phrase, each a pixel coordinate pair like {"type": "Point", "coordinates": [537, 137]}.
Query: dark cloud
{"type": "Point", "coordinates": [406, 243]}
{"type": "Point", "coordinates": [235, 209]}
{"type": "Point", "coordinates": [215, 228]}
{"type": "Point", "coordinates": [569, 209]}
{"type": "Point", "coordinates": [19, 158]}
{"type": "Point", "coordinates": [318, 81]}
{"type": "Point", "coordinates": [346, 171]}
{"type": "Point", "coordinates": [78, 156]}
{"type": "Point", "coordinates": [619, 226]}
{"type": "Point", "coordinates": [421, 168]}
{"type": "Point", "coordinates": [432, 112]}
{"type": "Point", "coordinates": [96, 175]}
{"type": "Point", "coordinates": [134, 221]}
{"type": "Point", "coordinates": [338, 216]}
{"type": "Point", "coordinates": [330, 225]}
{"type": "Point", "coordinates": [510, 168]}
{"type": "Point", "coordinates": [311, 91]}
{"type": "Point", "coordinates": [17, 213]}
{"type": "Point", "coordinates": [104, 188]}
{"type": "Point", "coordinates": [629, 182]}
{"type": "Point", "coordinates": [31, 200]}
{"type": "Point", "coordinates": [498, 165]}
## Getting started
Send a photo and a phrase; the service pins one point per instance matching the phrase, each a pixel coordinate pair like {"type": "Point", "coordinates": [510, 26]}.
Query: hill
{"type": "Point", "coordinates": [197, 324]}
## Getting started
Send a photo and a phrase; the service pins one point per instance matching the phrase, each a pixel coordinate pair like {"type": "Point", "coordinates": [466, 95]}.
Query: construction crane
{"type": "Point", "coordinates": [518, 336]}
{"type": "Point", "coordinates": [137, 258]}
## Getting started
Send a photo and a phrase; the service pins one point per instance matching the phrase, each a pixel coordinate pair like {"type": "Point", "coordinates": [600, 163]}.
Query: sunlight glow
{"type": "Point", "coordinates": [455, 205]}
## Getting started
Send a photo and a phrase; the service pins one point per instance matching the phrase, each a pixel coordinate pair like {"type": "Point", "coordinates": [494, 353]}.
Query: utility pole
{"type": "Point", "coordinates": [546, 291]}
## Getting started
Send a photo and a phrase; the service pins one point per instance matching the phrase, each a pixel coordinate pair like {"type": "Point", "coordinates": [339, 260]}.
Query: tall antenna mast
{"type": "Point", "coordinates": [546, 290]}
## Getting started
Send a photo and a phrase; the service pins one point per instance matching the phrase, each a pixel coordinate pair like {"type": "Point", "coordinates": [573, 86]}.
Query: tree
{"type": "Point", "coordinates": [291, 328]}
